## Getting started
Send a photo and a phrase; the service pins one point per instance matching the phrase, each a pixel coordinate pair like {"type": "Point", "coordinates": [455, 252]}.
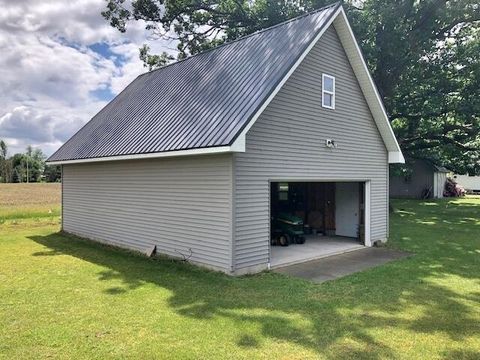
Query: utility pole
{"type": "Point", "coordinates": [27, 168]}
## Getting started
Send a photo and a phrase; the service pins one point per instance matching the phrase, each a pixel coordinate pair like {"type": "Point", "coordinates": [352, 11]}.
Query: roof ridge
{"type": "Point", "coordinates": [337, 3]}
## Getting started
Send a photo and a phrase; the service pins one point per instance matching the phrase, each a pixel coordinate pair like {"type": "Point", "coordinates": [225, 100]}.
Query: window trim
{"type": "Point", "coordinates": [332, 93]}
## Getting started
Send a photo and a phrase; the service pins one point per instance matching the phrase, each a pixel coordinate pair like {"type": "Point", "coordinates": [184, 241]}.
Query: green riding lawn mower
{"type": "Point", "coordinates": [287, 229]}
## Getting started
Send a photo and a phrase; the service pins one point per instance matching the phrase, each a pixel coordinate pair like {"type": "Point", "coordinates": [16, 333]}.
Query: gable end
{"type": "Point", "coordinates": [340, 22]}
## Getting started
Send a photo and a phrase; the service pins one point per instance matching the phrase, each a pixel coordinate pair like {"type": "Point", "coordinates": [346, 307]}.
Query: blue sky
{"type": "Point", "coordinates": [103, 49]}
{"type": "Point", "coordinates": [61, 63]}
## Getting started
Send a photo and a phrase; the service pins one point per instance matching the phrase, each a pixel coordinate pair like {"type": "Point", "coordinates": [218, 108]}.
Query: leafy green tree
{"type": "Point", "coordinates": [34, 163]}
{"type": "Point", "coordinates": [14, 169]}
{"type": "Point", "coordinates": [52, 173]}
{"type": "Point", "coordinates": [4, 162]}
{"type": "Point", "coordinates": [424, 59]}
{"type": "Point", "coordinates": [29, 165]}
{"type": "Point", "coordinates": [6, 170]}
{"type": "Point", "coordinates": [19, 170]}
{"type": "Point", "coordinates": [202, 24]}
{"type": "Point", "coordinates": [423, 56]}
{"type": "Point", "coordinates": [3, 149]}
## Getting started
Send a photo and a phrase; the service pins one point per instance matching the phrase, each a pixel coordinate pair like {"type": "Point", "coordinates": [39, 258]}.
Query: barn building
{"type": "Point", "coordinates": [201, 158]}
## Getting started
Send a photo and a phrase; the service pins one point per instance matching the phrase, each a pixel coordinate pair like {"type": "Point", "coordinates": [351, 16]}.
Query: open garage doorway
{"type": "Point", "coordinates": [310, 220]}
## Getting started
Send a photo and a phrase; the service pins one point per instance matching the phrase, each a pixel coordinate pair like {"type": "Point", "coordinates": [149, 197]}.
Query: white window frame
{"type": "Point", "coordinates": [332, 93]}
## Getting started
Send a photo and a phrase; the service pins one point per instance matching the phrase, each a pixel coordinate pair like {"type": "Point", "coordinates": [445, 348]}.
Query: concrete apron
{"type": "Point", "coordinates": [336, 266]}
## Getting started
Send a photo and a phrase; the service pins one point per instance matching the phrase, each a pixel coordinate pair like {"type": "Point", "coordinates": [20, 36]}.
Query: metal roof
{"type": "Point", "coordinates": [203, 101]}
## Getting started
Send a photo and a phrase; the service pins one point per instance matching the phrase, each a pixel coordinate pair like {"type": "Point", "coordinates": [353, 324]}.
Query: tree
{"type": "Point", "coordinates": [3, 161]}
{"type": "Point", "coordinates": [424, 59]}
{"type": "Point", "coordinates": [34, 162]}
{"type": "Point", "coordinates": [19, 170]}
{"type": "Point", "coordinates": [28, 166]}
{"type": "Point", "coordinates": [6, 170]}
{"type": "Point", "coordinates": [14, 169]}
{"type": "Point", "coordinates": [201, 24]}
{"type": "Point", "coordinates": [423, 56]}
{"type": "Point", "coordinates": [3, 149]}
{"type": "Point", "coordinates": [52, 173]}
{"type": "Point", "coordinates": [38, 158]}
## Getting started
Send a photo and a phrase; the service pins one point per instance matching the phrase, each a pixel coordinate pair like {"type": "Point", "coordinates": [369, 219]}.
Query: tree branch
{"type": "Point", "coordinates": [445, 31]}
{"type": "Point", "coordinates": [441, 139]}
{"type": "Point", "coordinates": [428, 13]}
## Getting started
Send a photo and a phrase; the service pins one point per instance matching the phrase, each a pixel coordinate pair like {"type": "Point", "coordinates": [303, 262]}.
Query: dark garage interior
{"type": "Point", "coordinates": [315, 219]}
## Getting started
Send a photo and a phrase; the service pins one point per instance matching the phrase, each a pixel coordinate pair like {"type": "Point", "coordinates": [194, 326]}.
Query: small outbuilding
{"type": "Point", "coordinates": [216, 157]}
{"type": "Point", "coordinates": [423, 180]}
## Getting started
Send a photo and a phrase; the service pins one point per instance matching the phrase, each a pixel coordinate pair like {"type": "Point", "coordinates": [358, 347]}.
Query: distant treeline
{"type": "Point", "coordinates": [26, 167]}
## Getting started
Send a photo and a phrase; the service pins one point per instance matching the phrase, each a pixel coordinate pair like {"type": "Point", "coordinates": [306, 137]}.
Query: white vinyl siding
{"type": "Point", "coordinates": [288, 142]}
{"type": "Point", "coordinates": [439, 180]}
{"type": "Point", "coordinates": [176, 204]}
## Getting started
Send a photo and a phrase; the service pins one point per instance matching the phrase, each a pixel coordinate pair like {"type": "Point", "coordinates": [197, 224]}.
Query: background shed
{"type": "Point", "coordinates": [424, 178]}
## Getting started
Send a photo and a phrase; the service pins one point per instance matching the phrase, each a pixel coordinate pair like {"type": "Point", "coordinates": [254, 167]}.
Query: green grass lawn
{"type": "Point", "coordinates": [61, 297]}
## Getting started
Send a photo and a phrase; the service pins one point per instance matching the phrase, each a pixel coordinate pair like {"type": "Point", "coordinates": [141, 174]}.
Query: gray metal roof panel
{"type": "Point", "coordinates": [203, 101]}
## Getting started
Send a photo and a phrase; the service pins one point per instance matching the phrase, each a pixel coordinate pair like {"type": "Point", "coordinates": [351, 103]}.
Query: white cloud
{"type": "Point", "coordinates": [130, 69]}
{"type": "Point", "coordinates": [45, 128]}
{"type": "Point", "coordinates": [52, 82]}
{"type": "Point", "coordinates": [77, 20]}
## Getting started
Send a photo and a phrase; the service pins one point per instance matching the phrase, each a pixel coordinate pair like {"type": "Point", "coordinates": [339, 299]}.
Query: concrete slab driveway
{"type": "Point", "coordinates": [337, 266]}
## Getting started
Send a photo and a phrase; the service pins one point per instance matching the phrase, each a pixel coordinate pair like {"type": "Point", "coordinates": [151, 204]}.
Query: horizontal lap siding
{"type": "Point", "coordinates": [413, 187]}
{"type": "Point", "coordinates": [287, 141]}
{"type": "Point", "coordinates": [175, 204]}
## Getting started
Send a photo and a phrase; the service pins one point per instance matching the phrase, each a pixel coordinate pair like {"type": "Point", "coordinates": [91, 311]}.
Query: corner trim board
{"type": "Point", "coordinates": [395, 157]}
{"type": "Point", "coordinates": [368, 212]}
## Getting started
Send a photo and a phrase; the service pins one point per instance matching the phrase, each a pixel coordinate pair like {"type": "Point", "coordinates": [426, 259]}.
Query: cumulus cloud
{"type": "Point", "coordinates": [26, 124]}
{"type": "Point", "coordinates": [43, 128]}
{"type": "Point", "coordinates": [61, 63]}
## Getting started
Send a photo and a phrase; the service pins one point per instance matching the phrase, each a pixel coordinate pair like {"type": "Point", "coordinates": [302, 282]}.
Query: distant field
{"type": "Point", "coordinates": [18, 201]}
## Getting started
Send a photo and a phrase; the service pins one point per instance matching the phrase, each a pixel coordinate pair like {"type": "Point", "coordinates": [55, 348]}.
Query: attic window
{"type": "Point", "coordinates": [328, 91]}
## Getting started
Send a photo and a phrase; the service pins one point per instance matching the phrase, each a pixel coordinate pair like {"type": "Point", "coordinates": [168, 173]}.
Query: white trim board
{"type": "Point", "coordinates": [202, 151]}
{"type": "Point", "coordinates": [368, 213]}
{"type": "Point", "coordinates": [331, 93]}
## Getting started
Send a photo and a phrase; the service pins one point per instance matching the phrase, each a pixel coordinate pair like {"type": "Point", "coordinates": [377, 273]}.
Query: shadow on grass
{"type": "Point", "coordinates": [461, 354]}
{"type": "Point", "coordinates": [347, 309]}
{"type": "Point", "coordinates": [338, 319]}
{"type": "Point", "coordinates": [446, 211]}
